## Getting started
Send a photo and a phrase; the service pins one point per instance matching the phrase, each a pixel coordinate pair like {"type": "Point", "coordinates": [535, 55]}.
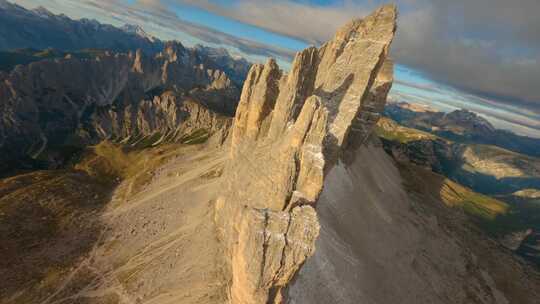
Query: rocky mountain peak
{"type": "Point", "coordinates": [288, 130]}
{"type": "Point", "coordinates": [76, 101]}
{"type": "Point", "coordinates": [359, 28]}
{"type": "Point", "coordinates": [469, 117]}
{"type": "Point", "coordinates": [138, 62]}
{"type": "Point", "coordinates": [139, 31]}
{"type": "Point", "coordinates": [42, 11]}
{"type": "Point", "coordinates": [173, 49]}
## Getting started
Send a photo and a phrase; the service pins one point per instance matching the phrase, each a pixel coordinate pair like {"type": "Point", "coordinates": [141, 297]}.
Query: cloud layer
{"type": "Point", "coordinates": [157, 19]}
{"type": "Point", "coordinates": [311, 23]}
{"type": "Point", "coordinates": [487, 47]}
{"type": "Point", "coordinates": [483, 46]}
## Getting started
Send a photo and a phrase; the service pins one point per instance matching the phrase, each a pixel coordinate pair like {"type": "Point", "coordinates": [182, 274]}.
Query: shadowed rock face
{"type": "Point", "coordinates": [386, 237]}
{"type": "Point", "coordinates": [39, 28]}
{"type": "Point", "coordinates": [290, 129]}
{"type": "Point", "coordinates": [50, 105]}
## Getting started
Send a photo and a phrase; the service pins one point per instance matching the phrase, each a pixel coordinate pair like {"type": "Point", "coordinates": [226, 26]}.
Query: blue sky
{"type": "Point", "coordinates": [232, 27]}
{"type": "Point", "coordinates": [446, 58]}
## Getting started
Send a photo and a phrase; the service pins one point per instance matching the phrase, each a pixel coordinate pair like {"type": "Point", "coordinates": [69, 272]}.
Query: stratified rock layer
{"type": "Point", "coordinates": [289, 129]}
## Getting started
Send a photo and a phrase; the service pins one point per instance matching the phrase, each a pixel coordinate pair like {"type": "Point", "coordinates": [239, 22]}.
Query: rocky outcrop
{"type": "Point", "coordinates": [528, 193]}
{"type": "Point", "coordinates": [500, 163]}
{"type": "Point", "coordinates": [165, 118]}
{"type": "Point", "coordinates": [71, 102]}
{"type": "Point", "coordinates": [236, 67]}
{"type": "Point", "coordinates": [372, 107]}
{"type": "Point", "coordinates": [289, 129]}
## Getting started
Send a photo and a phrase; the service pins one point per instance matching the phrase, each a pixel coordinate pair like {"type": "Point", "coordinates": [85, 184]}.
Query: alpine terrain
{"type": "Point", "coordinates": [159, 173]}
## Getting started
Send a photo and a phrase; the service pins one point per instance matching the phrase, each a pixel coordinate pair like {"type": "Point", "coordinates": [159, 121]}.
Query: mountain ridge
{"type": "Point", "coordinates": [41, 29]}
{"type": "Point", "coordinates": [504, 175]}
{"type": "Point", "coordinates": [113, 95]}
{"type": "Point", "coordinates": [462, 126]}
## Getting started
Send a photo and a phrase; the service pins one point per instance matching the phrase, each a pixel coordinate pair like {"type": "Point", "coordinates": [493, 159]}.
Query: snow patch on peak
{"type": "Point", "coordinates": [138, 30]}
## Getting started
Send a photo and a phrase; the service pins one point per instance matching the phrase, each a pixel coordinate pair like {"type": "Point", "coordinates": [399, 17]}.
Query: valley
{"type": "Point", "coordinates": [507, 177]}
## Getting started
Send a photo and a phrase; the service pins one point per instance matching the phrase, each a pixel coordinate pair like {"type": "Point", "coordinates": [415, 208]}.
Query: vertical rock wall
{"type": "Point", "coordinates": [288, 131]}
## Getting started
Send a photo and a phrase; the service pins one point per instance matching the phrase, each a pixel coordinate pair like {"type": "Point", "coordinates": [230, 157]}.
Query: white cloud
{"type": "Point", "coordinates": [311, 23]}
{"type": "Point", "coordinates": [473, 45]}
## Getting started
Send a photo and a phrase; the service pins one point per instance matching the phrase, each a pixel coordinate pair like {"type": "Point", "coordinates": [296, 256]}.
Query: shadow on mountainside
{"type": "Point", "coordinates": [446, 159]}
{"type": "Point", "coordinates": [48, 223]}
{"type": "Point", "coordinates": [476, 221]}
{"type": "Point", "coordinates": [519, 216]}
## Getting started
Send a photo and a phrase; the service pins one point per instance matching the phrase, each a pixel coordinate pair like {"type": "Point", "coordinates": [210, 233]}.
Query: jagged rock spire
{"type": "Point", "coordinates": [287, 129]}
{"type": "Point", "coordinates": [342, 72]}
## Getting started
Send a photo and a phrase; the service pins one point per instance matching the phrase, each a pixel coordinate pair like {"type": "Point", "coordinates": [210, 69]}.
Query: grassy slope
{"type": "Point", "coordinates": [390, 130]}
{"type": "Point", "coordinates": [527, 166]}
{"type": "Point", "coordinates": [477, 205]}
{"type": "Point", "coordinates": [45, 227]}
{"type": "Point", "coordinates": [480, 207]}
{"type": "Point", "coordinates": [496, 217]}
{"type": "Point", "coordinates": [113, 162]}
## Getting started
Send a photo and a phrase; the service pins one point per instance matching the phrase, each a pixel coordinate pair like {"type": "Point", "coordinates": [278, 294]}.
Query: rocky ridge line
{"type": "Point", "coordinates": [289, 129]}
{"type": "Point", "coordinates": [72, 102]}
{"type": "Point", "coordinates": [39, 28]}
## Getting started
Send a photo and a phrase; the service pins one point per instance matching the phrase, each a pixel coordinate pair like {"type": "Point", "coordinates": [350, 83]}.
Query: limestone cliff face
{"type": "Point", "coordinates": [289, 130]}
{"type": "Point", "coordinates": [71, 102]}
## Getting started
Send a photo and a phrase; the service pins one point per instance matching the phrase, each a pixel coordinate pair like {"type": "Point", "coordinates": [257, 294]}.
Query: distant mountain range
{"type": "Point", "coordinates": [461, 126]}
{"type": "Point", "coordinates": [41, 29]}
{"type": "Point", "coordinates": [463, 146]}
{"type": "Point", "coordinates": [53, 108]}
{"type": "Point", "coordinates": [65, 84]}
{"type": "Point", "coordinates": [43, 35]}
{"type": "Point", "coordinates": [487, 169]}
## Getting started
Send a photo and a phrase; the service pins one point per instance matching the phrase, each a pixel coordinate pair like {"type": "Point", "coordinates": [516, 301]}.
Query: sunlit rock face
{"type": "Point", "coordinates": [289, 130]}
